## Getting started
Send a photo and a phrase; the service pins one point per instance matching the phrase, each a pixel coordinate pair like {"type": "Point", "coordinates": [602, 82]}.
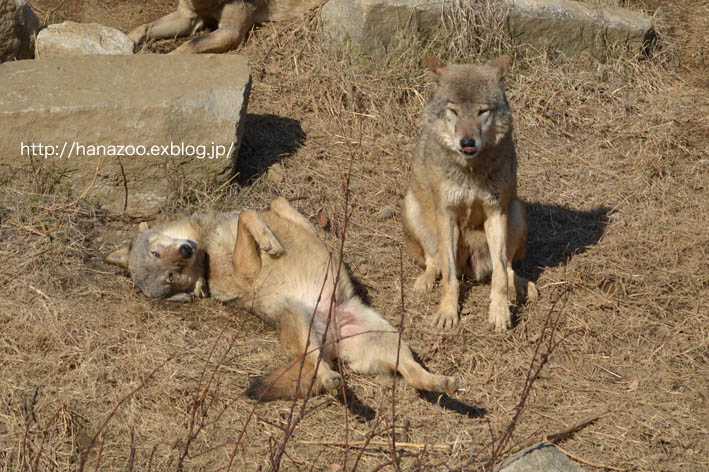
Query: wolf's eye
{"type": "Point", "coordinates": [155, 254]}
{"type": "Point", "coordinates": [170, 277]}
{"type": "Point", "coordinates": [452, 111]}
{"type": "Point", "coordinates": [483, 111]}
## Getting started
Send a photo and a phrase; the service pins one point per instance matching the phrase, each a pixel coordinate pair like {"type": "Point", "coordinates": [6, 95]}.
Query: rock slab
{"type": "Point", "coordinates": [154, 125]}
{"type": "Point", "coordinates": [373, 24]}
{"type": "Point", "coordinates": [573, 26]}
{"type": "Point", "coordinates": [81, 39]}
{"type": "Point", "coordinates": [17, 26]}
{"type": "Point", "coordinates": [568, 25]}
{"type": "Point", "coordinates": [540, 457]}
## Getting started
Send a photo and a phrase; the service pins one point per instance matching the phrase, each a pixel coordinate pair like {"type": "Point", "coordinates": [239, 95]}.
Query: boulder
{"type": "Point", "coordinates": [373, 24]}
{"type": "Point", "coordinates": [565, 24]}
{"type": "Point", "coordinates": [17, 26]}
{"type": "Point", "coordinates": [574, 26]}
{"type": "Point", "coordinates": [540, 457]}
{"type": "Point", "coordinates": [153, 124]}
{"type": "Point", "coordinates": [81, 39]}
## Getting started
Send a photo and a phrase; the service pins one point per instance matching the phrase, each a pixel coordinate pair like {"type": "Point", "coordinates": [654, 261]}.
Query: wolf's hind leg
{"type": "Point", "coordinates": [369, 345]}
{"type": "Point", "coordinates": [516, 241]}
{"type": "Point", "coordinates": [421, 241]}
{"type": "Point", "coordinates": [297, 335]}
{"type": "Point", "coordinates": [293, 380]}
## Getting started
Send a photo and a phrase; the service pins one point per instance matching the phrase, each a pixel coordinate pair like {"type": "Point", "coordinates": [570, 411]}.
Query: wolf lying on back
{"type": "Point", "coordinates": [461, 211]}
{"type": "Point", "coordinates": [273, 264]}
{"type": "Point", "coordinates": [233, 19]}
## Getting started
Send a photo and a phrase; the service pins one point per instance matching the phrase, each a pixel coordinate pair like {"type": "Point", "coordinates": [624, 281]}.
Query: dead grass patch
{"type": "Point", "coordinates": [612, 163]}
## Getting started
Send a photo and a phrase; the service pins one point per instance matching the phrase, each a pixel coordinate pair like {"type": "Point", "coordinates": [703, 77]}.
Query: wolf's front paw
{"type": "Point", "coordinates": [446, 317]}
{"type": "Point", "coordinates": [424, 283]}
{"type": "Point", "coordinates": [270, 244]}
{"type": "Point", "coordinates": [200, 289]}
{"type": "Point", "coordinates": [499, 315]}
{"type": "Point", "coordinates": [532, 292]}
{"type": "Point", "coordinates": [331, 382]}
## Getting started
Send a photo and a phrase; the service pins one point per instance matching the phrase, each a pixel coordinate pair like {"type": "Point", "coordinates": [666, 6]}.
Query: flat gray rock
{"type": "Point", "coordinates": [81, 39]}
{"type": "Point", "coordinates": [542, 457]}
{"type": "Point", "coordinates": [568, 25]}
{"type": "Point", "coordinates": [17, 26]}
{"type": "Point", "coordinates": [155, 123]}
{"type": "Point", "coordinates": [574, 26]}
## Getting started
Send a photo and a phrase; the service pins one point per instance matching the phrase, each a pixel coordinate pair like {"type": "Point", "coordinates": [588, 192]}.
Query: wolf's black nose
{"type": "Point", "coordinates": [186, 251]}
{"type": "Point", "coordinates": [467, 142]}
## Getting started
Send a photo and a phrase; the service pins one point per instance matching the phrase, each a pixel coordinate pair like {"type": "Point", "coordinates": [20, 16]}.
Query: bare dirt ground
{"type": "Point", "coordinates": [613, 165]}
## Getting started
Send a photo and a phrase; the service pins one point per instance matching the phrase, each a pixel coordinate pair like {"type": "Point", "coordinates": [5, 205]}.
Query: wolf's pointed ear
{"type": "Point", "coordinates": [434, 65]}
{"type": "Point", "coordinates": [501, 64]}
{"type": "Point", "coordinates": [119, 257]}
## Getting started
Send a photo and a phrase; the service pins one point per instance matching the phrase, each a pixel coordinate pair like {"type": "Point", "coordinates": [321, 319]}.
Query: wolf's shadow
{"type": "Point", "coordinates": [267, 139]}
{"type": "Point", "coordinates": [557, 233]}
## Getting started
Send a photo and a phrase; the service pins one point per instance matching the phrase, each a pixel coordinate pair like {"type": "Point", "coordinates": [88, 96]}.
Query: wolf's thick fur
{"type": "Point", "coordinates": [461, 211]}
{"type": "Point", "coordinates": [273, 264]}
{"type": "Point", "coordinates": [232, 18]}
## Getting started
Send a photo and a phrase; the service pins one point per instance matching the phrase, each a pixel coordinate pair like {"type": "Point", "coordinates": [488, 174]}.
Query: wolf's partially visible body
{"type": "Point", "coordinates": [273, 264]}
{"type": "Point", "coordinates": [461, 212]}
{"type": "Point", "coordinates": [233, 20]}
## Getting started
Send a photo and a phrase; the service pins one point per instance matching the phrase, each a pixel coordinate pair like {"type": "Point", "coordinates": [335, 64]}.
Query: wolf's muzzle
{"type": "Point", "coordinates": [468, 146]}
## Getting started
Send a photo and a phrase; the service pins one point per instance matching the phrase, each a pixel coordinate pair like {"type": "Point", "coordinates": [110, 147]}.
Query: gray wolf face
{"type": "Point", "coordinates": [468, 109]}
{"type": "Point", "coordinates": [161, 265]}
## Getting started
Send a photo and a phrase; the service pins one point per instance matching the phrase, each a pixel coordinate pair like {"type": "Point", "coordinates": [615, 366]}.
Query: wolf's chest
{"type": "Point", "coordinates": [462, 191]}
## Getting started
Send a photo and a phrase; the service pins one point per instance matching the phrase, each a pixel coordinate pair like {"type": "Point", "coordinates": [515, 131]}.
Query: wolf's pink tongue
{"type": "Point", "coordinates": [469, 150]}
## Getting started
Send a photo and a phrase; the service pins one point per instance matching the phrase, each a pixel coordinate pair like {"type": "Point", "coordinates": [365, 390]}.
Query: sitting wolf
{"type": "Point", "coordinates": [273, 264]}
{"type": "Point", "coordinates": [461, 212]}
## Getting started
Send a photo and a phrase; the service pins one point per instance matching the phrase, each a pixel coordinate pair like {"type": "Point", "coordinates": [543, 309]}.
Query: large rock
{"type": "Point", "coordinates": [573, 26]}
{"type": "Point", "coordinates": [373, 24]}
{"type": "Point", "coordinates": [17, 26]}
{"type": "Point", "coordinates": [117, 111]}
{"type": "Point", "coordinates": [540, 457]}
{"type": "Point", "coordinates": [568, 25]}
{"type": "Point", "coordinates": [81, 39]}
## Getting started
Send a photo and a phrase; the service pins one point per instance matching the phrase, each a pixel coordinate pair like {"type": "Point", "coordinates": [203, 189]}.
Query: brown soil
{"type": "Point", "coordinates": [613, 165]}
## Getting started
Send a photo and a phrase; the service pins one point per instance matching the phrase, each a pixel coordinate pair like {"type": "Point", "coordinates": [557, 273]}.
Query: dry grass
{"type": "Point", "coordinates": [613, 163]}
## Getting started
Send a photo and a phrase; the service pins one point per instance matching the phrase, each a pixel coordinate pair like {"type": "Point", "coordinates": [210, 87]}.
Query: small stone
{"type": "Point", "coordinates": [385, 213]}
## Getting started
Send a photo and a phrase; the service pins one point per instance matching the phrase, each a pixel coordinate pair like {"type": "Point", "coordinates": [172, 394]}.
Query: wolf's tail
{"type": "Point", "coordinates": [286, 382]}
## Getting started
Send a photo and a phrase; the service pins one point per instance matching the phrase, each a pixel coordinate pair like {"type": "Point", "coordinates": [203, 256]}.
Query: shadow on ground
{"type": "Point", "coordinates": [267, 140]}
{"type": "Point", "coordinates": [557, 233]}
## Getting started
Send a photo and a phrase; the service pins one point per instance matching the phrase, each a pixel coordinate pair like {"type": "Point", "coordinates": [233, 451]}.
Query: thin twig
{"type": "Point", "coordinates": [366, 442]}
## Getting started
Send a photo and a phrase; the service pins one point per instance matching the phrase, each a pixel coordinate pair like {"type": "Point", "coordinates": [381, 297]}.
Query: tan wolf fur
{"type": "Point", "coordinates": [232, 18]}
{"type": "Point", "coordinates": [461, 211]}
{"type": "Point", "coordinates": [273, 264]}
